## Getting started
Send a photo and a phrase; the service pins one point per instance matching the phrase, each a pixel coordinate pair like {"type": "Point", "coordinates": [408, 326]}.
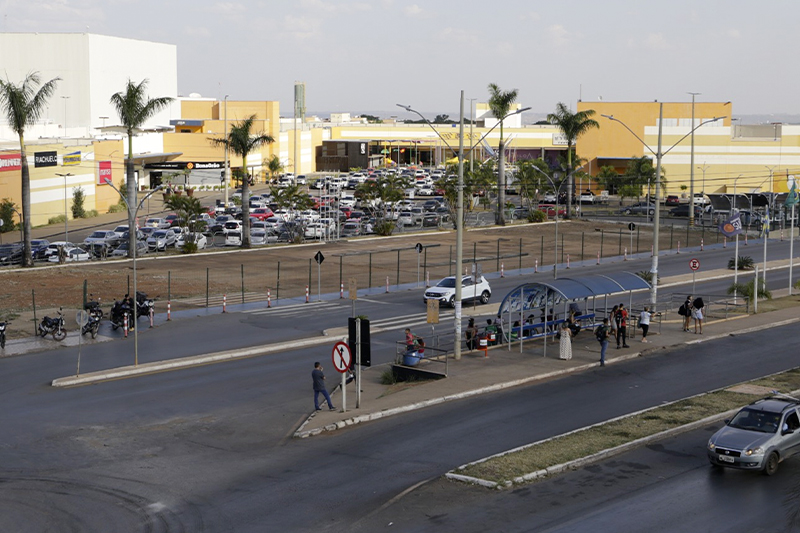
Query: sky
{"type": "Point", "coordinates": [363, 56]}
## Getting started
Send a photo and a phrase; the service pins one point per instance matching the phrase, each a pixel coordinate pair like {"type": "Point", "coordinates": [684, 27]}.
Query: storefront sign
{"type": "Point", "coordinates": [181, 165]}
{"type": "Point", "coordinates": [104, 175]}
{"type": "Point", "coordinates": [559, 139]}
{"type": "Point", "coordinates": [72, 159]}
{"type": "Point", "coordinates": [45, 159]}
{"type": "Point", "coordinates": [10, 162]}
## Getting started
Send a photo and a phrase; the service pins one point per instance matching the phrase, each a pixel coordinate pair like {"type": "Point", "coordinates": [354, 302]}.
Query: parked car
{"type": "Point", "coordinates": [38, 248]}
{"type": "Point", "coordinates": [683, 211]}
{"type": "Point", "coordinates": [106, 237]}
{"type": "Point", "coordinates": [261, 236]}
{"type": "Point", "coordinates": [550, 209]}
{"type": "Point", "coordinates": [233, 238]}
{"type": "Point", "coordinates": [549, 198]}
{"type": "Point", "coordinates": [73, 254]}
{"type": "Point", "coordinates": [673, 199]}
{"type": "Point", "coordinates": [161, 239]}
{"type": "Point", "coordinates": [405, 218]}
{"type": "Point", "coordinates": [445, 290]}
{"type": "Point", "coordinates": [431, 220]}
{"type": "Point", "coordinates": [759, 437]}
{"type": "Point", "coordinates": [11, 254]}
{"type": "Point", "coordinates": [261, 213]}
{"type": "Point", "coordinates": [586, 197]}
{"type": "Point", "coordinates": [232, 225]}
{"type": "Point", "coordinates": [158, 223]}
{"type": "Point", "coordinates": [642, 208]}
{"type": "Point", "coordinates": [351, 228]}
{"type": "Point", "coordinates": [198, 238]}
{"type": "Point", "coordinates": [122, 249]}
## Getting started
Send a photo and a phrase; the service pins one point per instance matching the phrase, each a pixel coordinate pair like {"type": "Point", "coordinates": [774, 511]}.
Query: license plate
{"type": "Point", "coordinates": [726, 459]}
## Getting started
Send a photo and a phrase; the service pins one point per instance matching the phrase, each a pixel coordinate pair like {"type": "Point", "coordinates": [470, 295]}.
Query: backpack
{"type": "Point", "coordinates": [682, 310]}
{"type": "Point", "coordinates": [600, 333]}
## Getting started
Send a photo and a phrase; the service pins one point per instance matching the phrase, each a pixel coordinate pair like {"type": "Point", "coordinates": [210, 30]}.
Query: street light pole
{"type": "Point", "coordinates": [134, 241]}
{"type": "Point", "coordinates": [471, 122]}
{"type": "Point", "coordinates": [691, 168]}
{"type": "Point", "coordinates": [66, 215]}
{"type": "Point", "coordinates": [225, 171]}
{"type": "Point", "coordinates": [65, 98]}
{"type": "Point", "coordinates": [657, 217]}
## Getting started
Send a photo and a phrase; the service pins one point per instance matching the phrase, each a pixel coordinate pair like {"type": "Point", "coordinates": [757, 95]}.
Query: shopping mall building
{"type": "Point", "coordinates": [79, 141]}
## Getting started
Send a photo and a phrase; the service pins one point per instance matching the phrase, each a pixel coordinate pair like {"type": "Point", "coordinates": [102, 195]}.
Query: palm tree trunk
{"type": "Point", "coordinates": [130, 182]}
{"type": "Point", "coordinates": [245, 205]}
{"type": "Point", "coordinates": [501, 185]}
{"type": "Point", "coordinates": [567, 215]}
{"type": "Point", "coordinates": [27, 258]}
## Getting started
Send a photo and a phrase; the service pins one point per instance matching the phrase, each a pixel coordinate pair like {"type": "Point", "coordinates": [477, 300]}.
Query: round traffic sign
{"type": "Point", "coordinates": [82, 317]}
{"type": "Point", "coordinates": [631, 226]}
{"type": "Point", "coordinates": [694, 264]}
{"type": "Point", "coordinates": [341, 357]}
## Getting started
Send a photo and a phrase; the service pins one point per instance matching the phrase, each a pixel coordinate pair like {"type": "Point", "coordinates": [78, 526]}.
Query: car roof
{"type": "Point", "coordinates": [772, 405]}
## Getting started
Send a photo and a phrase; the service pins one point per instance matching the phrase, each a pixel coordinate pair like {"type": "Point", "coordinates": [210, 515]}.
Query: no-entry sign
{"type": "Point", "coordinates": [341, 357]}
{"type": "Point", "coordinates": [694, 264]}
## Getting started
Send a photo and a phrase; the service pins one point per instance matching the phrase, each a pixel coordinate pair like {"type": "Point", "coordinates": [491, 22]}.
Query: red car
{"type": "Point", "coordinates": [672, 200]}
{"type": "Point", "coordinates": [346, 210]}
{"type": "Point", "coordinates": [550, 209]}
{"type": "Point", "coordinates": [261, 213]}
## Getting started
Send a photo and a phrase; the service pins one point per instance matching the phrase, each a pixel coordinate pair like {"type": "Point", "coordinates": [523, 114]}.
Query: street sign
{"type": "Point", "coordinates": [694, 264]}
{"type": "Point", "coordinates": [477, 270]}
{"type": "Point", "coordinates": [319, 258]}
{"type": "Point", "coordinates": [433, 311]}
{"type": "Point", "coordinates": [631, 226]}
{"type": "Point", "coordinates": [418, 248]}
{"type": "Point", "coordinates": [82, 317]}
{"type": "Point", "coordinates": [341, 357]}
{"type": "Point", "coordinates": [353, 289]}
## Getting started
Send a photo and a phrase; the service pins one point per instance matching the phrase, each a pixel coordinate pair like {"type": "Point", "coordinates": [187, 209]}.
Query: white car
{"type": "Point", "coordinates": [425, 190]}
{"type": "Point", "coordinates": [233, 238]}
{"type": "Point", "coordinates": [158, 223]}
{"type": "Point", "coordinates": [73, 254]}
{"type": "Point", "coordinates": [106, 237]}
{"type": "Point", "coordinates": [549, 198]}
{"type": "Point", "coordinates": [260, 236]}
{"type": "Point", "coordinates": [586, 198]}
{"type": "Point", "coordinates": [315, 230]}
{"type": "Point", "coordinates": [52, 248]}
{"type": "Point", "coordinates": [445, 290]}
{"type": "Point", "coordinates": [198, 238]}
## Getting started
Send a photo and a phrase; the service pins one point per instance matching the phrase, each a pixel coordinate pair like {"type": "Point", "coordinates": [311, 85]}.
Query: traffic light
{"type": "Point", "coordinates": [366, 359]}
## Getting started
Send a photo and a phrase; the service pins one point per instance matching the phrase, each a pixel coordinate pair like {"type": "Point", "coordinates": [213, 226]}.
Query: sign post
{"type": "Point", "coordinates": [433, 315]}
{"type": "Point", "coordinates": [631, 227]}
{"type": "Point", "coordinates": [353, 293]}
{"type": "Point", "coordinates": [358, 365]}
{"type": "Point", "coordinates": [341, 362]}
{"type": "Point", "coordinates": [82, 318]}
{"type": "Point", "coordinates": [694, 264]}
{"type": "Point", "coordinates": [418, 248]}
{"type": "Point", "coordinates": [319, 258]}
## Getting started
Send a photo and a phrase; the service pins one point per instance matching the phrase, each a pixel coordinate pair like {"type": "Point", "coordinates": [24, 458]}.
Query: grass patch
{"type": "Point", "coordinates": [592, 440]}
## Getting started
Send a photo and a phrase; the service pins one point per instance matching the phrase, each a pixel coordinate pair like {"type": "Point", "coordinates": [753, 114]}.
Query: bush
{"type": "Point", "coordinates": [78, 197]}
{"type": "Point", "coordinates": [7, 207]}
{"type": "Point", "coordinates": [91, 213]}
{"type": "Point", "coordinates": [117, 208]}
{"type": "Point", "coordinates": [745, 263]}
{"type": "Point", "coordinates": [647, 276]}
{"type": "Point", "coordinates": [746, 289]}
{"type": "Point", "coordinates": [189, 247]}
{"type": "Point", "coordinates": [388, 377]}
{"type": "Point", "coordinates": [537, 216]}
{"type": "Point", "coordinates": [58, 219]}
{"type": "Point", "coordinates": [384, 228]}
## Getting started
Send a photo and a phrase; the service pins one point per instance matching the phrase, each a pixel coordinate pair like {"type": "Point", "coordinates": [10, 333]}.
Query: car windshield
{"type": "Point", "coordinates": [160, 234]}
{"type": "Point", "coordinates": [98, 235]}
{"type": "Point", "coordinates": [447, 283]}
{"type": "Point", "coordinates": [753, 420]}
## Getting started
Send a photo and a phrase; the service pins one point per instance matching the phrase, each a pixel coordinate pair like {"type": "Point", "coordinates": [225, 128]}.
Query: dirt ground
{"type": "Point", "coordinates": [285, 271]}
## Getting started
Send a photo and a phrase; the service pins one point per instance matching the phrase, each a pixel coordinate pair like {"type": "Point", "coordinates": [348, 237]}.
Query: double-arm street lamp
{"type": "Point", "coordinates": [133, 242]}
{"type": "Point", "coordinates": [557, 192]}
{"type": "Point", "coordinates": [657, 217]}
{"type": "Point", "coordinates": [459, 207]}
{"type": "Point", "coordinates": [66, 215]}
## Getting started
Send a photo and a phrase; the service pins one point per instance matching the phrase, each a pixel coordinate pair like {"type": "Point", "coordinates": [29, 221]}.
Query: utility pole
{"type": "Point", "coordinates": [691, 168]}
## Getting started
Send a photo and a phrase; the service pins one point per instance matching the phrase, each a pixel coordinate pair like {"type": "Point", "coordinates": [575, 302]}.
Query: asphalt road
{"type": "Point", "coordinates": [208, 449]}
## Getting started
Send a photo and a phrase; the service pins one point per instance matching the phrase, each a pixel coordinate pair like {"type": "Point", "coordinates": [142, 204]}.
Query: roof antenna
{"type": "Point", "coordinates": [782, 395]}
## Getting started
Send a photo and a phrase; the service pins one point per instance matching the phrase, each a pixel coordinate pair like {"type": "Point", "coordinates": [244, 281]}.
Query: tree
{"type": "Point", "coordinates": [293, 199]}
{"type": "Point", "coordinates": [188, 209]}
{"type": "Point", "coordinates": [7, 211]}
{"type": "Point", "coordinates": [639, 173]}
{"type": "Point", "coordinates": [572, 125]}
{"type": "Point", "coordinates": [23, 105]}
{"type": "Point", "coordinates": [274, 167]}
{"type": "Point", "coordinates": [241, 141]}
{"type": "Point", "coordinates": [530, 179]}
{"type": "Point", "coordinates": [134, 109]}
{"type": "Point", "coordinates": [608, 179]}
{"type": "Point", "coordinates": [78, 198]}
{"type": "Point", "coordinates": [500, 103]}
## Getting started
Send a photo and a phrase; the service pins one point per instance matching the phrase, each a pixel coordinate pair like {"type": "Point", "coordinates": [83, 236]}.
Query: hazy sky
{"type": "Point", "coordinates": [366, 56]}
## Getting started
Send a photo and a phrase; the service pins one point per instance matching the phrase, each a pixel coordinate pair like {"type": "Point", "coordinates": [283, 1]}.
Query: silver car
{"type": "Point", "coordinates": [161, 239]}
{"type": "Point", "coordinates": [759, 437]}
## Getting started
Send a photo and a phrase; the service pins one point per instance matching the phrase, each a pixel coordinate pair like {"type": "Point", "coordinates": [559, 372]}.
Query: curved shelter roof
{"type": "Point", "coordinates": [539, 294]}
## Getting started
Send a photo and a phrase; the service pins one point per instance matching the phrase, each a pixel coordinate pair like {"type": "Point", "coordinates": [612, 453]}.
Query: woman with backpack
{"type": "Point", "coordinates": [685, 311]}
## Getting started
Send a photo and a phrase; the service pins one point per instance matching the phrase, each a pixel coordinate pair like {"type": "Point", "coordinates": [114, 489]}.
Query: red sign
{"type": "Point", "coordinates": [341, 357]}
{"type": "Point", "coordinates": [694, 264]}
{"type": "Point", "coordinates": [104, 174]}
{"type": "Point", "coordinates": [10, 162]}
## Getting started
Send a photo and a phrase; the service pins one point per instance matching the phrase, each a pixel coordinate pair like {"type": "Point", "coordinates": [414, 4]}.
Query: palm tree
{"type": "Point", "coordinates": [188, 210]}
{"type": "Point", "coordinates": [274, 166]}
{"type": "Point", "coordinates": [572, 125]}
{"type": "Point", "coordinates": [23, 105]}
{"type": "Point", "coordinates": [241, 141]}
{"type": "Point", "coordinates": [134, 109]}
{"type": "Point", "coordinates": [500, 103]}
{"type": "Point", "coordinates": [293, 199]}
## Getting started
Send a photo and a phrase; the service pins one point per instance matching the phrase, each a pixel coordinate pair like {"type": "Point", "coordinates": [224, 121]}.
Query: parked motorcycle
{"type": "Point", "coordinates": [92, 326]}
{"type": "Point", "coordinates": [93, 308]}
{"type": "Point", "coordinates": [53, 326]}
{"type": "Point", "coordinates": [144, 305]}
{"type": "Point", "coordinates": [119, 311]}
{"type": "Point", "coordinates": [3, 326]}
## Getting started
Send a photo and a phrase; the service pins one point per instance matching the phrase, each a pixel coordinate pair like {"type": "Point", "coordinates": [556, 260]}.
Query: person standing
{"type": "Point", "coordinates": [601, 333]}
{"type": "Point", "coordinates": [319, 387]}
{"type": "Point", "coordinates": [471, 334]}
{"type": "Point", "coordinates": [621, 318]}
{"type": "Point", "coordinates": [697, 314]}
{"type": "Point", "coordinates": [687, 312]}
{"type": "Point", "coordinates": [644, 322]}
{"type": "Point", "coordinates": [565, 344]}
{"type": "Point", "coordinates": [612, 321]}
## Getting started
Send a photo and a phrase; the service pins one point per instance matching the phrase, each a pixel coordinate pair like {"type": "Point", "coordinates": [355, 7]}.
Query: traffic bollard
{"type": "Point", "coordinates": [536, 266]}
{"type": "Point", "coordinates": [625, 254]}
{"type": "Point", "coordinates": [567, 260]}
{"type": "Point", "coordinates": [745, 239]}
{"type": "Point", "coordinates": [598, 258]}
{"type": "Point", "coordinates": [306, 293]}
{"type": "Point", "coordinates": [427, 278]}
{"type": "Point", "coordinates": [224, 303]}
{"type": "Point", "coordinates": [269, 298]}
{"type": "Point", "coordinates": [387, 284]}
{"type": "Point", "coordinates": [651, 250]}
{"type": "Point", "coordinates": [169, 310]}
{"type": "Point", "coordinates": [125, 325]}
{"type": "Point", "coordinates": [724, 242]}
{"type": "Point", "coordinates": [502, 270]}
{"type": "Point", "coordinates": [679, 246]}
{"type": "Point", "coordinates": [341, 291]}
{"type": "Point", "coordinates": [701, 245]}
{"type": "Point", "coordinates": [152, 312]}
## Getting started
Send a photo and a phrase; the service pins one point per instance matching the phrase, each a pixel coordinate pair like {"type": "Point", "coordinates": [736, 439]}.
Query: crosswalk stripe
{"type": "Point", "coordinates": [293, 308]}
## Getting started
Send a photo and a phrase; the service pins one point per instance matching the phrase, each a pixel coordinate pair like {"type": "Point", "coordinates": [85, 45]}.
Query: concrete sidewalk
{"type": "Point", "coordinates": [475, 374]}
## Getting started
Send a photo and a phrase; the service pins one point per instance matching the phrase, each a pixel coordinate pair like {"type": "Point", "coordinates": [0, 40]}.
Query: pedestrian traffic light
{"type": "Point", "coordinates": [366, 358]}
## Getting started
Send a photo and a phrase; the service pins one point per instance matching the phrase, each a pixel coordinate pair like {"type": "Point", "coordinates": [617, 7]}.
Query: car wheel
{"type": "Point", "coordinates": [485, 297]}
{"type": "Point", "coordinates": [452, 301]}
{"type": "Point", "coordinates": [771, 466]}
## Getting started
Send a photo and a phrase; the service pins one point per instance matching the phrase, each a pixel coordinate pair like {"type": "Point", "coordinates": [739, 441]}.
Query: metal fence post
{"type": "Point", "coordinates": [129, 285]}
{"type": "Point", "coordinates": [602, 238]}
{"type": "Point", "coordinates": [85, 292]}
{"type": "Point", "coordinates": [637, 238]}
{"type": "Point", "coordinates": [309, 272]}
{"type": "Point", "coordinates": [169, 285]}
{"type": "Point", "coordinates": [542, 252]}
{"type": "Point", "coordinates": [35, 321]}
{"type": "Point", "coordinates": [398, 268]}
{"type": "Point", "coordinates": [369, 283]}
{"type": "Point", "coordinates": [242, 282]}
{"type": "Point", "coordinates": [583, 234]}
{"type": "Point", "coordinates": [498, 255]}
{"type": "Point", "coordinates": [278, 283]}
{"type": "Point", "coordinates": [425, 263]}
{"type": "Point", "coordinates": [450, 263]}
{"type": "Point", "coordinates": [206, 287]}
{"type": "Point", "coordinates": [562, 248]}
{"type": "Point", "coordinates": [340, 270]}
{"type": "Point", "coordinates": [520, 255]}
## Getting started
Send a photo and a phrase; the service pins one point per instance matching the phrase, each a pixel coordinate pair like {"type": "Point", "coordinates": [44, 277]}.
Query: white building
{"type": "Point", "coordinates": [92, 68]}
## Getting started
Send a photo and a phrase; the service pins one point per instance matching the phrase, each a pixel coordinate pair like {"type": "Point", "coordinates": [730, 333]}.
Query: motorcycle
{"type": "Point", "coordinates": [93, 308]}
{"type": "Point", "coordinates": [119, 311]}
{"type": "Point", "coordinates": [92, 326]}
{"type": "Point", "coordinates": [3, 326]}
{"type": "Point", "coordinates": [144, 305]}
{"type": "Point", "coordinates": [53, 326]}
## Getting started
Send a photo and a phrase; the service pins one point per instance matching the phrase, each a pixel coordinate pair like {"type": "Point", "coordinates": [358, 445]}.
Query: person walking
{"type": "Point", "coordinates": [601, 333]}
{"type": "Point", "coordinates": [319, 387]}
{"type": "Point", "coordinates": [565, 344]}
{"type": "Point", "coordinates": [644, 322]}
{"type": "Point", "coordinates": [621, 318]}
{"type": "Point", "coordinates": [697, 314]}
{"type": "Point", "coordinates": [612, 321]}
{"type": "Point", "coordinates": [687, 312]}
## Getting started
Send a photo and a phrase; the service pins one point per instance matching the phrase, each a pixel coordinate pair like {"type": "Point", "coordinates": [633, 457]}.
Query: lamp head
{"type": "Point", "coordinates": [609, 117]}
{"type": "Point", "coordinates": [406, 107]}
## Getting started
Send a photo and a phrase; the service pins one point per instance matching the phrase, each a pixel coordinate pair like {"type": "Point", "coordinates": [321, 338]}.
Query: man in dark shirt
{"type": "Point", "coordinates": [319, 386]}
